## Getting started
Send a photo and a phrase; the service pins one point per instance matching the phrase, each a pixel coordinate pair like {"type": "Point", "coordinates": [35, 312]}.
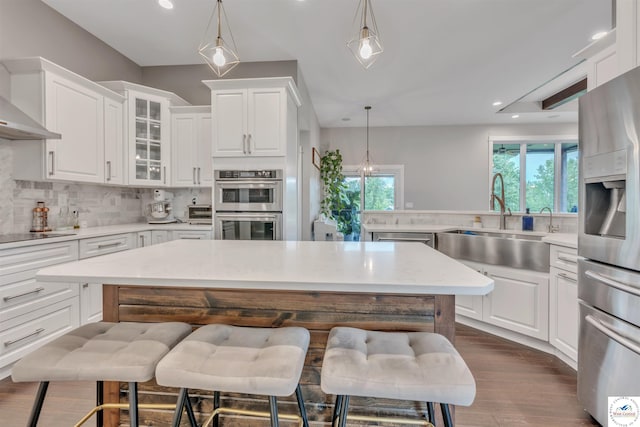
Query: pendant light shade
{"type": "Point", "coordinates": [219, 55]}
{"type": "Point", "coordinates": [365, 44]}
{"type": "Point", "coordinates": [367, 167]}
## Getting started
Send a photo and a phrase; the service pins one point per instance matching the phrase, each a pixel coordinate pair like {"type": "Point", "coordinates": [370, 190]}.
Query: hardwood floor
{"type": "Point", "coordinates": [516, 386]}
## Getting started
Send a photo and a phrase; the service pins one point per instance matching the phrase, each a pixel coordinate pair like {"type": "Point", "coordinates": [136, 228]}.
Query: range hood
{"type": "Point", "coordinates": [15, 124]}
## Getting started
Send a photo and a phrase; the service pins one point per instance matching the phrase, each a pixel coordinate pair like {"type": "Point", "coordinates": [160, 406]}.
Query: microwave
{"type": "Point", "coordinates": [199, 214]}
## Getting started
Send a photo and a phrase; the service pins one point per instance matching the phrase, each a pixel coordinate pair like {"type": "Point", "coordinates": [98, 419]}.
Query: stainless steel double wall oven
{"type": "Point", "coordinates": [609, 241]}
{"type": "Point", "coordinates": [248, 204]}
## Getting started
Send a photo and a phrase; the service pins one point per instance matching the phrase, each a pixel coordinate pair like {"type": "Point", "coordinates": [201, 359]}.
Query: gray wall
{"type": "Point", "coordinates": [31, 28]}
{"type": "Point", "coordinates": [186, 80]}
{"type": "Point", "coordinates": [446, 167]}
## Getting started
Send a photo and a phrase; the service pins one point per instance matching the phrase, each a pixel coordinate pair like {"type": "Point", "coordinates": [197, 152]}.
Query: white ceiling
{"type": "Point", "coordinates": [445, 61]}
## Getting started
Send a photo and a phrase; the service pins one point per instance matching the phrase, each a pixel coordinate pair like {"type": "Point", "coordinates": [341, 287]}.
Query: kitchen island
{"type": "Point", "coordinates": [317, 285]}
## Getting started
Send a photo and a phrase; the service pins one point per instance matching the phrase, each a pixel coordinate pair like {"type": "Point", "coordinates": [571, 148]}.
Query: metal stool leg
{"type": "Point", "coordinates": [431, 412]}
{"type": "Point", "coordinates": [303, 410]}
{"type": "Point", "coordinates": [177, 415]}
{"type": "Point", "coordinates": [273, 409]}
{"type": "Point", "coordinates": [37, 405]}
{"type": "Point", "coordinates": [99, 402]}
{"type": "Point", "coordinates": [343, 411]}
{"type": "Point", "coordinates": [133, 404]}
{"type": "Point", "coordinates": [446, 415]}
{"type": "Point", "coordinates": [189, 409]}
{"type": "Point", "coordinates": [216, 405]}
{"type": "Point", "coordinates": [336, 410]}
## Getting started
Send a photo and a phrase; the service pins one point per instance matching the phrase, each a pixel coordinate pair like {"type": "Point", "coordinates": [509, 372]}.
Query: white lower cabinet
{"type": "Point", "coordinates": [144, 239]}
{"type": "Point", "coordinates": [519, 301]}
{"type": "Point", "coordinates": [91, 293]}
{"type": "Point", "coordinates": [33, 313]}
{"type": "Point", "coordinates": [564, 316]}
{"type": "Point", "coordinates": [160, 236]}
{"type": "Point", "coordinates": [191, 234]}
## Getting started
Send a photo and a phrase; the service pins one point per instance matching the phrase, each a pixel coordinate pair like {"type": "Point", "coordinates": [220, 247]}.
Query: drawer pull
{"type": "Point", "coordinates": [566, 276]}
{"type": "Point", "coordinates": [35, 291]}
{"type": "Point", "coordinates": [191, 237]}
{"type": "Point", "coordinates": [109, 245]}
{"type": "Point", "coordinates": [36, 332]}
{"type": "Point", "coordinates": [573, 259]}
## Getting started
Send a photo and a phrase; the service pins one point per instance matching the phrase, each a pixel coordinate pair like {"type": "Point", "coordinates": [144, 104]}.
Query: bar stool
{"type": "Point", "coordinates": [222, 358]}
{"type": "Point", "coordinates": [415, 366]}
{"type": "Point", "coordinates": [101, 351]}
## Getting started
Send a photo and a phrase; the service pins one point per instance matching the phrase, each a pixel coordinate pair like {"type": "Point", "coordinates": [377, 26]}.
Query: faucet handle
{"type": "Point", "coordinates": [554, 228]}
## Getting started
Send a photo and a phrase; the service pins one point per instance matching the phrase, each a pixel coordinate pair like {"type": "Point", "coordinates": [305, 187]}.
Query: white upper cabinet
{"type": "Point", "coordinates": [88, 116]}
{"type": "Point", "coordinates": [191, 147]}
{"type": "Point", "coordinates": [250, 117]}
{"type": "Point", "coordinates": [148, 133]}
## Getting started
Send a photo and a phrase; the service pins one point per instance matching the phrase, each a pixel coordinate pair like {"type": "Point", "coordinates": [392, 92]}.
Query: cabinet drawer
{"type": "Point", "coordinates": [564, 258]}
{"type": "Point", "coordinates": [23, 334]}
{"type": "Point", "coordinates": [23, 294]}
{"type": "Point", "coordinates": [106, 245]}
{"type": "Point", "coordinates": [190, 234]}
{"type": "Point", "coordinates": [36, 257]}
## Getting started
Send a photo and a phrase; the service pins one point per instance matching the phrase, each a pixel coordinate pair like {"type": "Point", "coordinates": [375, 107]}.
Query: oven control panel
{"type": "Point", "coordinates": [248, 174]}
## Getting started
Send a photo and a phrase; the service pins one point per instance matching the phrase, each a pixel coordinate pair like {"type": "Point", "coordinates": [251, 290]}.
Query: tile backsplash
{"type": "Point", "coordinates": [98, 205]}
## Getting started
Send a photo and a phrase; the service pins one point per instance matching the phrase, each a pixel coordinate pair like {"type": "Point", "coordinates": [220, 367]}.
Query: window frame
{"type": "Point", "coordinates": [396, 170]}
{"type": "Point", "coordinates": [557, 140]}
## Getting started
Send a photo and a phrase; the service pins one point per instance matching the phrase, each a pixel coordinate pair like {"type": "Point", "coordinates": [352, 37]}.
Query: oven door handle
{"type": "Point", "coordinates": [247, 217]}
{"type": "Point", "coordinates": [613, 283]}
{"type": "Point", "coordinates": [247, 184]}
{"type": "Point", "coordinates": [620, 339]}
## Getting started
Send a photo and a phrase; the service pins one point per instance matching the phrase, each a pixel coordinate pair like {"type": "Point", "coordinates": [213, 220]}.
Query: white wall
{"type": "Point", "coordinates": [446, 167]}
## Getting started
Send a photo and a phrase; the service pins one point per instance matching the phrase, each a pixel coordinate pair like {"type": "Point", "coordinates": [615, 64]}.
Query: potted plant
{"type": "Point", "coordinates": [333, 186]}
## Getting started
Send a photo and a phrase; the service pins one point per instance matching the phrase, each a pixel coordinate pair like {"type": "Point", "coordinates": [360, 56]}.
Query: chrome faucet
{"type": "Point", "coordinates": [552, 228]}
{"type": "Point", "coordinates": [500, 199]}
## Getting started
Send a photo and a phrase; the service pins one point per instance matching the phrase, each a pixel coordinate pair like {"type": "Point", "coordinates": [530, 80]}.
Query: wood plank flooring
{"type": "Point", "coordinates": [516, 386]}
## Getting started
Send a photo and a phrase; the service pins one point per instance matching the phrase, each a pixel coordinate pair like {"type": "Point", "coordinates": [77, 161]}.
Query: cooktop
{"type": "Point", "coordinates": [19, 237]}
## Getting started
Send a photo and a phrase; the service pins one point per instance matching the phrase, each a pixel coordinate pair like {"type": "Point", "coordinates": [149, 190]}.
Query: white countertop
{"type": "Point", "coordinates": [562, 239]}
{"type": "Point", "coordinates": [405, 268]}
{"type": "Point", "coordinates": [85, 233]}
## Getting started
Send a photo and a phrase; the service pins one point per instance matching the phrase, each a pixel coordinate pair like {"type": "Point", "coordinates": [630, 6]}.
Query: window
{"type": "Point", "coordinates": [383, 191]}
{"type": "Point", "coordinates": [537, 172]}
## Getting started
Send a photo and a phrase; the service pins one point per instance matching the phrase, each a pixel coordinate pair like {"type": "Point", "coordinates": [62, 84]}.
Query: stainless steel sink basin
{"type": "Point", "coordinates": [508, 249]}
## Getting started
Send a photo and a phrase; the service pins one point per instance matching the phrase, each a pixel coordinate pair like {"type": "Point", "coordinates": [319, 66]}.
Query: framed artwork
{"type": "Point", "coordinates": [315, 158]}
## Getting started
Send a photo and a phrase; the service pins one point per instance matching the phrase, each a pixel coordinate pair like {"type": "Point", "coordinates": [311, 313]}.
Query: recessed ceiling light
{"type": "Point", "coordinates": [599, 35]}
{"type": "Point", "coordinates": [497, 103]}
{"type": "Point", "coordinates": [515, 116]}
{"type": "Point", "coordinates": [167, 4]}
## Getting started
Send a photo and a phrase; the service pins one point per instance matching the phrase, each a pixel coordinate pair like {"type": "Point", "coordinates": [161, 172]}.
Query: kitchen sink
{"type": "Point", "coordinates": [515, 250]}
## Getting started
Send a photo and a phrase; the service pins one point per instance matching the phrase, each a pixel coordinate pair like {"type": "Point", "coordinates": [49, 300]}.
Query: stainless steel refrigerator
{"type": "Point", "coordinates": [609, 241]}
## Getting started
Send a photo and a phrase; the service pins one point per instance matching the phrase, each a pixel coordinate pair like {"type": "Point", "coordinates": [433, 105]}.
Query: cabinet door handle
{"type": "Point", "coordinates": [199, 182]}
{"type": "Point", "coordinates": [249, 144]}
{"type": "Point", "coordinates": [17, 340]}
{"type": "Point", "coordinates": [35, 291]}
{"type": "Point", "coordinates": [244, 143]}
{"type": "Point", "coordinates": [53, 163]}
{"type": "Point", "coordinates": [109, 245]}
{"type": "Point", "coordinates": [142, 240]}
{"type": "Point", "coordinates": [164, 173]}
{"type": "Point", "coordinates": [85, 285]}
{"type": "Point", "coordinates": [194, 176]}
{"type": "Point", "coordinates": [569, 278]}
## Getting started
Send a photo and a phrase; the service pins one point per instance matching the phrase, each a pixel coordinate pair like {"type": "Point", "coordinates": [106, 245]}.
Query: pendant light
{"type": "Point", "coordinates": [219, 55]}
{"type": "Point", "coordinates": [365, 44]}
{"type": "Point", "coordinates": [367, 167]}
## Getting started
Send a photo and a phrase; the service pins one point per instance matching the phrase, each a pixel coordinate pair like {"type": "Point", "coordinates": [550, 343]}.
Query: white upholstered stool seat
{"type": "Point", "coordinates": [100, 351]}
{"type": "Point", "coordinates": [417, 366]}
{"type": "Point", "coordinates": [223, 358]}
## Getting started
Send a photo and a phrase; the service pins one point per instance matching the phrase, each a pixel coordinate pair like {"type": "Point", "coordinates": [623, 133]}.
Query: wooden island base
{"type": "Point", "coordinates": [316, 311]}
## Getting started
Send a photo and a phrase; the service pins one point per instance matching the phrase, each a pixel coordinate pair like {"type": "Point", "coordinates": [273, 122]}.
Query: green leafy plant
{"type": "Point", "coordinates": [334, 188]}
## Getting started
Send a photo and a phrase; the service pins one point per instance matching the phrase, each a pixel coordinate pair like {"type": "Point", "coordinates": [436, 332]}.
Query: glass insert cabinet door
{"type": "Point", "coordinates": [148, 140]}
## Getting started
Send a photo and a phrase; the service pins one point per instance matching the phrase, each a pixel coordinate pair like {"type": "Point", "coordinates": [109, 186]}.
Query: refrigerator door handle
{"type": "Point", "coordinates": [620, 339]}
{"type": "Point", "coordinates": [613, 283]}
